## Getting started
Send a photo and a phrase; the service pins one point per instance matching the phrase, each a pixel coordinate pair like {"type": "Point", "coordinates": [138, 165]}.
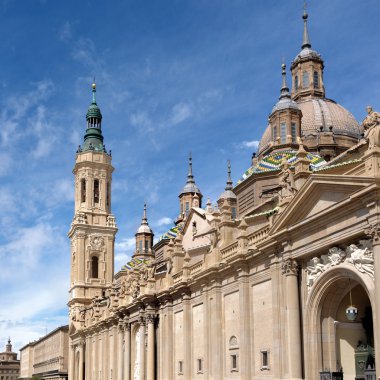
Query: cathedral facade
{"type": "Point", "coordinates": [278, 281]}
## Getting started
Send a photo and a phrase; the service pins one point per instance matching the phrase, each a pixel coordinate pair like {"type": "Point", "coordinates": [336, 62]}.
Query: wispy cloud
{"type": "Point", "coordinates": [165, 221]}
{"type": "Point", "coordinates": [249, 144]}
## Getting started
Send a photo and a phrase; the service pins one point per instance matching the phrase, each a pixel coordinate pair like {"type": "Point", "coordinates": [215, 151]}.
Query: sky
{"type": "Point", "coordinates": [173, 76]}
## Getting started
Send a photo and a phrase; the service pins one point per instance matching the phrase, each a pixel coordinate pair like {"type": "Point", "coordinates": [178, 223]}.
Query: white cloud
{"type": "Point", "coordinates": [65, 33]}
{"type": "Point", "coordinates": [164, 221]}
{"type": "Point", "coordinates": [180, 112]}
{"type": "Point", "coordinates": [5, 164]}
{"type": "Point", "coordinates": [249, 144]}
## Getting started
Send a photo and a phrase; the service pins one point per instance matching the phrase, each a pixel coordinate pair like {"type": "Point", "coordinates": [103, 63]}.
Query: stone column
{"type": "Point", "coordinates": [81, 361]}
{"type": "Point", "coordinates": [187, 335]}
{"type": "Point", "coordinates": [71, 362]}
{"type": "Point", "coordinates": [374, 232]}
{"type": "Point", "coordinates": [290, 270]}
{"type": "Point", "coordinates": [127, 351]}
{"type": "Point", "coordinates": [150, 353]}
{"type": "Point", "coordinates": [120, 340]}
{"type": "Point", "coordinates": [142, 349]}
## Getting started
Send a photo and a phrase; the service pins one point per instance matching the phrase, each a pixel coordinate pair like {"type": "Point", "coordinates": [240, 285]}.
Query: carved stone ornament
{"type": "Point", "coordinates": [149, 318]}
{"type": "Point", "coordinates": [80, 218]}
{"type": "Point", "coordinates": [96, 242]}
{"type": "Point", "coordinates": [373, 231]}
{"type": "Point", "coordinates": [360, 256]}
{"type": "Point", "coordinates": [289, 267]}
{"type": "Point", "coordinates": [371, 125]}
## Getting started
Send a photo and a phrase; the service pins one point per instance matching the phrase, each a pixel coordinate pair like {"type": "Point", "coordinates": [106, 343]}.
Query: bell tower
{"type": "Point", "coordinates": [93, 228]}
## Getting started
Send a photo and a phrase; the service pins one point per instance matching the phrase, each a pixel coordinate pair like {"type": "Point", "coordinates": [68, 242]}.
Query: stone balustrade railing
{"type": "Point", "coordinates": [258, 236]}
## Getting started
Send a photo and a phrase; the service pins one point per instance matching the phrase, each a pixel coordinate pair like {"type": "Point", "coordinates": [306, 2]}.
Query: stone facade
{"type": "Point", "coordinates": [46, 358]}
{"type": "Point", "coordinates": [255, 287]}
{"type": "Point", "coordinates": [9, 364]}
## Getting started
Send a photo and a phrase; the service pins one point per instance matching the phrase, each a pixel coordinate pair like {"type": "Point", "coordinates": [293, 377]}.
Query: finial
{"type": "Point", "coordinates": [284, 87]}
{"type": "Point", "coordinates": [229, 180]}
{"type": "Point", "coordinates": [9, 340]}
{"type": "Point", "coordinates": [144, 218]}
{"type": "Point", "coordinates": [93, 91]}
{"type": "Point", "coordinates": [369, 109]}
{"type": "Point", "coordinates": [306, 41]}
{"type": "Point", "coordinates": [190, 177]}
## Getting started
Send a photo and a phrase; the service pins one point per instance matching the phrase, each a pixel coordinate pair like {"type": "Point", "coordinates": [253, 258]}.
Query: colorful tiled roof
{"type": "Point", "coordinates": [171, 234]}
{"type": "Point", "coordinates": [272, 162]}
{"type": "Point", "coordinates": [135, 263]}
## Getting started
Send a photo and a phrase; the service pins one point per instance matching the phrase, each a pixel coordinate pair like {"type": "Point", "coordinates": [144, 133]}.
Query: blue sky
{"type": "Point", "coordinates": [172, 76]}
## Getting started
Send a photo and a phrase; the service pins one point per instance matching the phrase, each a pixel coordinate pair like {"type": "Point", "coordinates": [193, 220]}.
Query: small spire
{"type": "Point", "coordinates": [284, 88]}
{"type": "Point", "coordinates": [190, 177]}
{"type": "Point", "coordinates": [306, 40]}
{"type": "Point", "coordinates": [144, 219]}
{"type": "Point", "coordinates": [229, 185]}
{"type": "Point", "coordinates": [94, 92]}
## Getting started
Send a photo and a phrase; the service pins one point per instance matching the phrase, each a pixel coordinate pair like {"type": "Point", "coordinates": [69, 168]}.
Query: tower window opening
{"type": "Point", "coordinates": [140, 246]}
{"type": "Point", "coordinates": [264, 359]}
{"type": "Point", "coordinates": [305, 79]}
{"type": "Point", "coordinates": [275, 133]}
{"type": "Point", "coordinates": [294, 132]}
{"type": "Point", "coordinates": [95, 267]}
{"type": "Point", "coordinates": [233, 209]}
{"type": "Point", "coordinates": [187, 208]}
{"type": "Point", "coordinates": [296, 82]}
{"type": "Point", "coordinates": [96, 191]}
{"type": "Point", "coordinates": [316, 79]}
{"type": "Point", "coordinates": [108, 194]}
{"type": "Point", "coordinates": [146, 245]}
{"type": "Point", "coordinates": [283, 133]}
{"type": "Point", "coordinates": [180, 367]}
{"type": "Point", "coordinates": [83, 190]}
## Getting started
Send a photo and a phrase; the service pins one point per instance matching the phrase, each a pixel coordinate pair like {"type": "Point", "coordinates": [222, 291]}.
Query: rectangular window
{"type": "Point", "coordinates": [140, 246]}
{"type": "Point", "coordinates": [108, 194]}
{"type": "Point", "coordinates": [283, 133]}
{"type": "Point", "coordinates": [180, 367]}
{"type": "Point", "coordinates": [305, 79]}
{"type": "Point", "coordinates": [274, 133]}
{"type": "Point", "coordinates": [187, 208]}
{"type": "Point", "coordinates": [264, 359]}
{"type": "Point", "coordinates": [199, 365]}
{"type": "Point", "coordinates": [294, 132]}
{"type": "Point", "coordinates": [146, 246]}
{"type": "Point", "coordinates": [234, 365]}
{"type": "Point", "coordinates": [316, 79]}
{"type": "Point", "coordinates": [234, 213]}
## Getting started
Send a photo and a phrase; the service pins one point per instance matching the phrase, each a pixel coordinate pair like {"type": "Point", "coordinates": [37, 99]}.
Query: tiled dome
{"type": "Point", "coordinates": [317, 113]}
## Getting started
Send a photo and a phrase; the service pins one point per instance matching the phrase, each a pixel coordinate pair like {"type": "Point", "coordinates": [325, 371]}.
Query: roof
{"type": "Point", "coordinates": [272, 162]}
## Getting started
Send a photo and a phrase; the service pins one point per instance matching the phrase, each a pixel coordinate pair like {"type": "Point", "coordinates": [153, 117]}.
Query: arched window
{"type": "Point", "coordinates": [296, 82]}
{"type": "Point", "coordinates": [83, 190]}
{"type": "Point", "coordinates": [234, 354]}
{"type": "Point", "coordinates": [305, 79]}
{"type": "Point", "coordinates": [294, 132]}
{"type": "Point", "coordinates": [283, 133]}
{"type": "Point", "coordinates": [96, 191]}
{"type": "Point", "coordinates": [316, 79]}
{"type": "Point", "coordinates": [94, 267]}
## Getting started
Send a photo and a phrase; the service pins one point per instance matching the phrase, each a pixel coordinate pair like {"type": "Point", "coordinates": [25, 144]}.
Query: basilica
{"type": "Point", "coordinates": [279, 280]}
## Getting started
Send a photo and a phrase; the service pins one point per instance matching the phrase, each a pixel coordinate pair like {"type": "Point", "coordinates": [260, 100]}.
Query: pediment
{"type": "Point", "coordinates": [319, 194]}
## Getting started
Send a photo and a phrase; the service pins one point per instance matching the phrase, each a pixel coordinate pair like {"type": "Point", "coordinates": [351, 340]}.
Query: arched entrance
{"type": "Point", "coordinates": [332, 342]}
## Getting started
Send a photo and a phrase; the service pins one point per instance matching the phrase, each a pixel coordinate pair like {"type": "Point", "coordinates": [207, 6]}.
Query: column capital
{"type": "Point", "coordinates": [127, 326]}
{"type": "Point", "coordinates": [373, 231]}
{"type": "Point", "coordinates": [290, 267]}
{"type": "Point", "coordinates": [149, 318]}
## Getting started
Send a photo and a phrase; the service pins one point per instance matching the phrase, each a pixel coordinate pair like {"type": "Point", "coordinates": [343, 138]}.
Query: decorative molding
{"type": "Point", "coordinates": [290, 267]}
{"type": "Point", "coordinates": [360, 256]}
{"type": "Point", "coordinates": [373, 231]}
{"type": "Point", "coordinates": [96, 242]}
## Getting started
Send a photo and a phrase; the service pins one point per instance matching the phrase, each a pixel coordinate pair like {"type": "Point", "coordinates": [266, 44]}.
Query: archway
{"type": "Point", "coordinates": [330, 338]}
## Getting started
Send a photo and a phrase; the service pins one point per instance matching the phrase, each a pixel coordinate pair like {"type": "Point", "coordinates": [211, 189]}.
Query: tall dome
{"type": "Point", "coordinates": [327, 128]}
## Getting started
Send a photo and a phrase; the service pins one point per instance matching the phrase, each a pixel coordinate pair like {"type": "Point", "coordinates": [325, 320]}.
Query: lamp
{"type": "Point", "coordinates": [351, 311]}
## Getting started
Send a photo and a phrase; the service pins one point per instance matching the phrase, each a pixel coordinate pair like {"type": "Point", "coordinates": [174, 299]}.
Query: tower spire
{"type": "Point", "coordinates": [190, 177]}
{"type": "Point", "coordinates": [144, 219]}
{"type": "Point", "coordinates": [229, 184]}
{"type": "Point", "coordinates": [306, 40]}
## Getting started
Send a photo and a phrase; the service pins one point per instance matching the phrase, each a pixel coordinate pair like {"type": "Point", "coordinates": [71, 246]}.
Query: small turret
{"type": "Point", "coordinates": [228, 195]}
{"type": "Point", "coordinates": [144, 238]}
{"type": "Point", "coordinates": [189, 195]}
